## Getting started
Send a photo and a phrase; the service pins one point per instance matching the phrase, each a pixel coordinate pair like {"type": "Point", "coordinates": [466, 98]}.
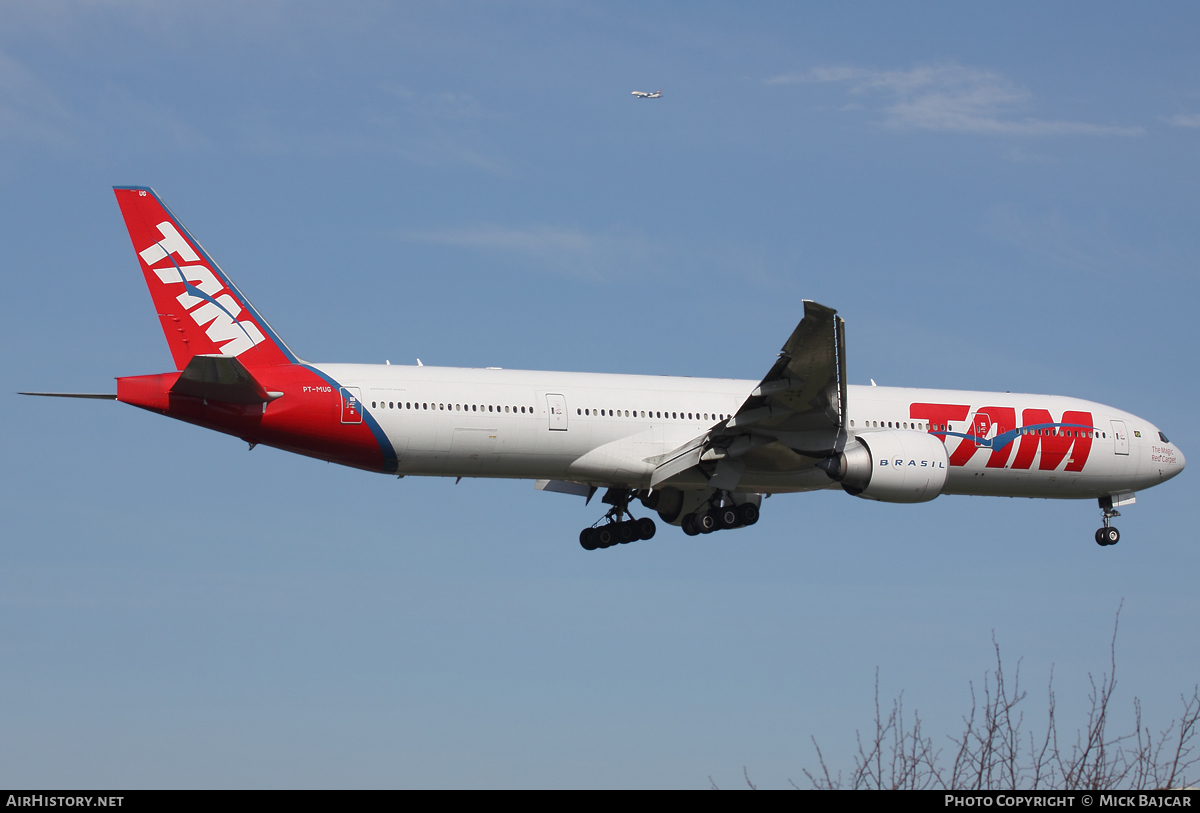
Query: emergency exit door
{"type": "Point", "coordinates": [1120, 438]}
{"type": "Point", "coordinates": [556, 406]}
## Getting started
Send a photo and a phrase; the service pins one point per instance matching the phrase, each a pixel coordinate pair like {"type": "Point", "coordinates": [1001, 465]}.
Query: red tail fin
{"type": "Point", "coordinates": [201, 310]}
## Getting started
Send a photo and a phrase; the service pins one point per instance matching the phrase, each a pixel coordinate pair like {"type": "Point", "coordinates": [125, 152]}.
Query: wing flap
{"type": "Point", "coordinates": [679, 461]}
{"type": "Point", "coordinates": [565, 487]}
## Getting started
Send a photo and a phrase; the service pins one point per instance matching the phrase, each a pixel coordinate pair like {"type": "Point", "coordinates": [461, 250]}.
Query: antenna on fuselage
{"type": "Point", "coordinates": [419, 364]}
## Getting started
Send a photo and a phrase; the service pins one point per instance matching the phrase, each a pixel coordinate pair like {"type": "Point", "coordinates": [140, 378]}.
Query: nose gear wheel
{"type": "Point", "coordinates": [1108, 535]}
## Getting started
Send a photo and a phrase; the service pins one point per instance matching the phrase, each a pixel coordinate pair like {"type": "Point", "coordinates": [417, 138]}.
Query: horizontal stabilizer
{"type": "Point", "coordinates": [221, 378]}
{"type": "Point", "coordinates": [100, 396]}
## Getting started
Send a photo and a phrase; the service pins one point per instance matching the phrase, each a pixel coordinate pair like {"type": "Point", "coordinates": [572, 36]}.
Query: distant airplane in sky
{"type": "Point", "coordinates": [701, 452]}
{"type": "Point", "coordinates": [643, 95]}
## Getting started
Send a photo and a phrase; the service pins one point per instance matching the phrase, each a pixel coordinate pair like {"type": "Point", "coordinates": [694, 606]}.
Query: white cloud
{"type": "Point", "coordinates": [947, 98]}
{"type": "Point", "coordinates": [533, 240]}
{"type": "Point", "coordinates": [1091, 249]}
{"type": "Point", "coordinates": [1192, 120]}
{"type": "Point", "coordinates": [566, 250]}
{"type": "Point", "coordinates": [29, 111]}
{"type": "Point", "coordinates": [128, 114]}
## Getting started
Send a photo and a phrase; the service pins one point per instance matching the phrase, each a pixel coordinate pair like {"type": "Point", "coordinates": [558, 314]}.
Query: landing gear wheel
{"type": "Point", "coordinates": [625, 532]}
{"type": "Point", "coordinates": [748, 513]}
{"type": "Point", "coordinates": [603, 537]}
{"type": "Point", "coordinates": [587, 538]}
{"type": "Point", "coordinates": [645, 528]}
{"type": "Point", "coordinates": [707, 522]}
{"type": "Point", "coordinates": [727, 517]}
{"type": "Point", "coordinates": [689, 525]}
{"type": "Point", "coordinates": [1108, 536]}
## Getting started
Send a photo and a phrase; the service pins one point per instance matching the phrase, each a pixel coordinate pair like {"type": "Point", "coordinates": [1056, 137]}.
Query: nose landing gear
{"type": "Point", "coordinates": [614, 530]}
{"type": "Point", "coordinates": [1108, 535]}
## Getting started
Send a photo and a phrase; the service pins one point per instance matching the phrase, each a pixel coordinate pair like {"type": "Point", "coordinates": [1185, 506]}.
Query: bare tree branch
{"type": "Point", "coordinates": [989, 754]}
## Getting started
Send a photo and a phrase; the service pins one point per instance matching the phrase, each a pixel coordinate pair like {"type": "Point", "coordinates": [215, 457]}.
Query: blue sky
{"type": "Point", "coordinates": [1000, 199]}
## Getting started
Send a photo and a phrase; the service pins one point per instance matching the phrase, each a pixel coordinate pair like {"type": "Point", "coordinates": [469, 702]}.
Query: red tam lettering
{"type": "Point", "coordinates": [1055, 441]}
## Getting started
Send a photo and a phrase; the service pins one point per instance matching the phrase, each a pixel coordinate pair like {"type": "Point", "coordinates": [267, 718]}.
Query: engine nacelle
{"type": "Point", "coordinates": [891, 466]}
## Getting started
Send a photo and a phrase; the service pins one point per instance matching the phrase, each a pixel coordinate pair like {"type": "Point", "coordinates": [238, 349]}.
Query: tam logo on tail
{"type": "Point", "coordinates": [200, 293]}
{"type": "Point", "coordinates": [201, 311]}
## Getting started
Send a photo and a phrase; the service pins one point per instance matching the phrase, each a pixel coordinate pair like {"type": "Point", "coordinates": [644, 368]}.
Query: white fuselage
{"type": "Point", "coordinates": [603, 429]}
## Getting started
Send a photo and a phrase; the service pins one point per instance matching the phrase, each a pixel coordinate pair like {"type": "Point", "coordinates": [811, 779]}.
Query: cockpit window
{"type": "Point", "coordinates": [1163, 438]}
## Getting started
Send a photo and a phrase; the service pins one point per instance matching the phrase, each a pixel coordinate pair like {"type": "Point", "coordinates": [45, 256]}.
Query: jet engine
{"type": "Point", "coordinates": [891, 466]}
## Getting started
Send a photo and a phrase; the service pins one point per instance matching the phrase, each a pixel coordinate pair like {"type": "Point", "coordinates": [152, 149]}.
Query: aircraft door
{"type": "Point", "coordinates": [351, 405]}
{"type": "Point", "coordinates": [556, 406]}
{"type": "Point", "coordinates": [983, 430]}
{"type": "Point", "coordinates": [1120, 438]}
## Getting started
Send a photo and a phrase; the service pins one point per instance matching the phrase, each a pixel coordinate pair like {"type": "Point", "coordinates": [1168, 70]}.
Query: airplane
{"type": "Point", "coordinates": [701, 453]}
{"type": "Point", "coordinates": [643, 95]}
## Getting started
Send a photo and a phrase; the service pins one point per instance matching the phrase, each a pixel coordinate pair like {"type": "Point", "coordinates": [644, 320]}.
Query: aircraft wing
{"type": "Point", "coordinates": [797, 412]}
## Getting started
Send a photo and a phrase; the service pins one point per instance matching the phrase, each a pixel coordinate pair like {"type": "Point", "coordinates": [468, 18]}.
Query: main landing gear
{"type": "Point", "coordinates": [720, 514]}
{"type": "Point", "coordinates": [614, 530]}
{"type": "Point", "coordinates": [1108, 535]}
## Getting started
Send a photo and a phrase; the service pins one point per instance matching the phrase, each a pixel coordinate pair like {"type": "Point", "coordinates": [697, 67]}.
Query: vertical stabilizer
{"type": "Point", "coordinates": [202, 312]}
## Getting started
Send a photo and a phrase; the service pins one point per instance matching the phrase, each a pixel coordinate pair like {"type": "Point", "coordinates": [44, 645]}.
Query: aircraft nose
{"type": "Point", "coordinates": [1172, 462]}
